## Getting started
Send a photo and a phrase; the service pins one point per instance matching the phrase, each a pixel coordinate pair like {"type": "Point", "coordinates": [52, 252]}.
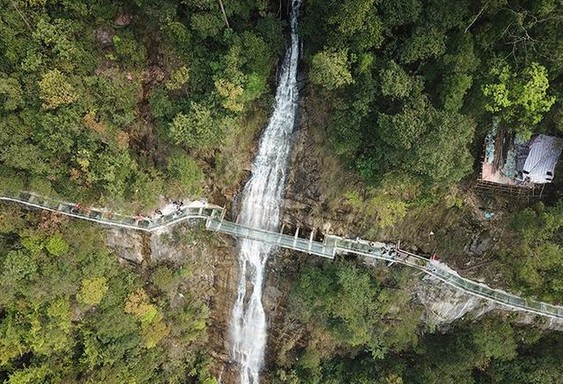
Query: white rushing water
{"type": "Point", "coordinates": [260, 208]}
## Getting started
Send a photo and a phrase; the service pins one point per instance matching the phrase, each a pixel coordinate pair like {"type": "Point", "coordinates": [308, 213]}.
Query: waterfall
{"type": "Point", "coordinates": [260, 208]}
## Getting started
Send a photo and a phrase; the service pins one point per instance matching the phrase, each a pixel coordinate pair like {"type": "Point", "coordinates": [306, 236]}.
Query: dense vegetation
{"type": "Point", "coordinates": [125, 100]}
{"type": "Point", "coordinates": [360, 328]}
{"type": "Point", "coordinates": [69, 312]}
{"type": "Point", "coordinates": [532, 252]}
{"type": "Point", "coordinates": [122, 101]}
{"type": "Point", "coordinates": [411, 87]}
{"type": "Point", "coordinates": [411, 82]}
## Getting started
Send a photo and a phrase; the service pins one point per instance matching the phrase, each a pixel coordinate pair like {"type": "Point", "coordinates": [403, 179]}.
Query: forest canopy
{"type": "Point", "coordinates": [112, 100]}
{"type": "Point", "coordinates": [413, 85]}
{"type": "Point", "coordinates": [119, 102]}
{"type": "Point", "coordinates": [71, 312]}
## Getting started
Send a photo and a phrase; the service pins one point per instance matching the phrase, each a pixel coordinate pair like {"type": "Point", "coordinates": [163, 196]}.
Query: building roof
{"type": "Point", "coordinates": [539, 166]}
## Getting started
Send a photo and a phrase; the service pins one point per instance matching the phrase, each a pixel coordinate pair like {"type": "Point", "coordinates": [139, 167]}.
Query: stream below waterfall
{"type": "Point", "coordinates": [260, 208]}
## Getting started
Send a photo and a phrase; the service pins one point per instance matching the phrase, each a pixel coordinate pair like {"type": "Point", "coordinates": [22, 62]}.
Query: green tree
{"type": "Point", "coordinates": [395, 81]}
{"type": "Point", "coordinates": [344, 306]}
{"type": "Point", "coordinates": [520, 99]}
{"type": "Point", "coordinates": [11, 94]}
{"type": "Point", "coordinates": [353, 24]}
{"type": "Point", "coordinates": [56, 245]}
{"type": "Point", "coordinates": [381, 204]}
{"type": "Point", "coordinates": [400, 12]}
{"type": "Point", "coordinates": [18, 265]}
{"type": "Point", "coordinates": [138, 305]}
{"type": "Point", "coordinates": [178, 78]}
{"type": "Point", "coordinates": [185, 175]}
{"type": "Point", "coordinates": [350, 16]}
{"type": "Point", "coordinates": [207, 24]}
{"type": "Point", "coordinates": [419, 137]}
{"type": "Point", "coordinates": [24, 156]}
{"type": "Point", "coordinates": [453, 160]}
{"type": "Point", "coordinates": [154, 333]}
{"type": "Point", "coordinates": [331, 69]}
{"type": "Point", "coordinates": [92, 291]}
{"type": "Point", "coordinates": [111, 171]}
{"type": "Point", "coordinates": [195, 128]}
{"type": "Point", "coordinates": [130, 51]}
{"type": "Point", "coordinates": [231, 94]}
{"type": "Point", "coordinates": [29, 375]}
{"type": "Point", "coordinates": [55, 90]}
{"type": "Point", "coordinates": [404, 129]}
{"type": "Point", "coordinates": [453, 91]}
{"type": "Point", "coordinates": [348, 125]}
{"type": "Point", "coordinates": [161, 105]}
{"type": "Point", "coordinates": [534, 260]}
{"type": "Point", "coordinates": [424, 43]}
{"type": "Point", "coordinates": [494, 340]}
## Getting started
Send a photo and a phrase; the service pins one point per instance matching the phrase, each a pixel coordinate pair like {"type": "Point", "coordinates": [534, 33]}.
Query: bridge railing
{"type": "Point", "coordinates": [275, 238]}
{"type": "Point", "coordinates": [434, 268]}
{"type": "Point", "coordinates": [451, 277]}
{"type": "Point", "coordinates": [108, 217]}
{"type": "Point", "coordinates": [328, 248]}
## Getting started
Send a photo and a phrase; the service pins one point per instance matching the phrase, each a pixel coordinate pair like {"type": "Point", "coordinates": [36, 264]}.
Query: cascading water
{"type": "Point", "coordinates": [260, 208]}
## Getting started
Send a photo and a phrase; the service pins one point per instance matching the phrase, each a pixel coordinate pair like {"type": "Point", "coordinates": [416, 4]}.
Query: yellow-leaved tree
{"type": "Point", "coordinates": [92, 291]}
{"type": "Point", "coordinates": [55, 90]}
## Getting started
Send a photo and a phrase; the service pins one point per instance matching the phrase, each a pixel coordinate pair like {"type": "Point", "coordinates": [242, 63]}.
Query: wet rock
{"type": "Point", "coordinates": [271, 298]}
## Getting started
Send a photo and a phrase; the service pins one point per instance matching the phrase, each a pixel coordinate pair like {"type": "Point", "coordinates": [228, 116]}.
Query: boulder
{"type": "Point", "coordinates": [104, 36]}
{"type": "Point", "coordinates": [123, 19]}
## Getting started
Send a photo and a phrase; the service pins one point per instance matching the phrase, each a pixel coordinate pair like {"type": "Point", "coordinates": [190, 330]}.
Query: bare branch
{"type": "Point", "coordinates": [22, 16]}
{"type": "Point", "coordinates": [476, 17]}
{"type": "Point", "coordinates": [224, 14]}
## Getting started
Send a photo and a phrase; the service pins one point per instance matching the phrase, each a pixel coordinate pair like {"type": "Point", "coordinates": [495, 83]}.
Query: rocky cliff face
{"type": "Point", "coordinates": [211, 258]}
{"type": "Point", "coordinates": [127, 244]}
{"type": "Point", "coordinates": [444, 304]}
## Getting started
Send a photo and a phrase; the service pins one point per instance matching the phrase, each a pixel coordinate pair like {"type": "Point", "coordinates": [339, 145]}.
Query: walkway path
{"type": "Point", "coordinates": [329, 247]}
{"type": "Point", "coordinates": [194, 210]}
